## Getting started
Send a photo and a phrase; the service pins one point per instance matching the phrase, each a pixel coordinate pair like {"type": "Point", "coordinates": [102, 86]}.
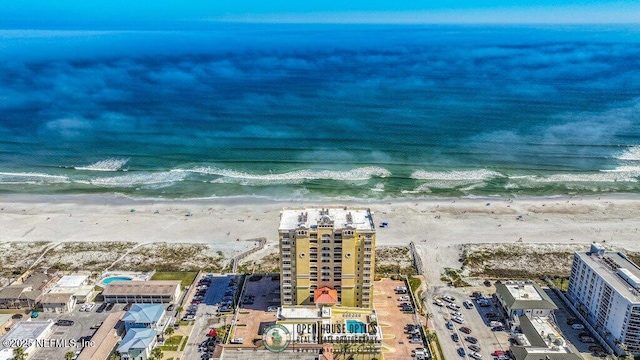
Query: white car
{"type": "Point", "coordinates": [577, 327]}
{"type": "Point", "coordinates": [457, 314]}
{"type": "Point", "coordinates": [237, 341]}
{"type": "Point", "coordinates": [438, 303]}
{"type": "Point", "coordinates": [476, 356]}
{"type": "Point", "coordinates": [453, 306]}
{"type": "Point", "coordinates": [458, 319]}
{"type": "Point", "coordinates": [404, 298]}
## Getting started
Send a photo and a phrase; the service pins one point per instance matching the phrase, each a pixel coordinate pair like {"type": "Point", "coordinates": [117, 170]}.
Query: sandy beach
{"type": "Point", "coordinates": [437, 226]}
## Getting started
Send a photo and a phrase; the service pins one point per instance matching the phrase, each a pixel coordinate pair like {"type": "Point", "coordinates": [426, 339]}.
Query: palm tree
{"type": "Point", "coordinates": [169, 332]}
{"type": "Point", "coordinates": [69, 355]}
{"type": "Point", "coordinates": [179, 309]}
{"type": "Point", "coordinates": [19, 354]}
{"type": "Point", "coordinates": [156, 354]}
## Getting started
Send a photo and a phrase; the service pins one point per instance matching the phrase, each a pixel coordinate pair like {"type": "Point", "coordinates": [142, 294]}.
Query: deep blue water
{"type": "Point", "coordinates": [321, 111]}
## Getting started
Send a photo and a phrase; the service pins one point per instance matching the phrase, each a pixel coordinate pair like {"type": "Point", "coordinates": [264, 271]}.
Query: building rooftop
{"type": "Point", "coordinates": [72, 280]}
{"type": "Point", "coordinates": [151, 287]}
{"type": "Point", "coordinates": [325, 295]}
{"type": "Point", "coordinates": [339, 217]}
{"type": "Point", "coordinates": [144, 313]}
{"type": "Point", "coordinates": [137, 338]}
{"type": "Point", "coordinates": [615, 269]}
{"type": "Point", "coordinates": [28, 330]}
{"type": "Point", "coordinates": [540, 339]}
{"type": "Point", "coordinates": [524, 295]}
{"type": "Point", "coordinates": [55, 298]}
{"type": "Point", "coordinates": [105, 339]}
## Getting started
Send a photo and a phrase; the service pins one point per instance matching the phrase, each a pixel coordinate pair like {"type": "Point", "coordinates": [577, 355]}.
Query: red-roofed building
{"type": "Point", "coordinates": [325, 296]}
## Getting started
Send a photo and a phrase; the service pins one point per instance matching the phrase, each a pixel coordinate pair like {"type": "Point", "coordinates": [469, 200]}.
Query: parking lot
{"type": "Point", "coordinates": [82, 326]}
{"type": "Point", "coordinates": [474, 318]}
{"type": "Point", "coordinates": [260, 293]}
{"type": "Point", "coordinates": [393, 320]}
{"type": "Point", "coordinates": [203, 307]}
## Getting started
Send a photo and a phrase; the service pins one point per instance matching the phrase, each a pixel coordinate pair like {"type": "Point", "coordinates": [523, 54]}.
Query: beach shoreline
{"type": "Point", "coordinates": [438, 227]}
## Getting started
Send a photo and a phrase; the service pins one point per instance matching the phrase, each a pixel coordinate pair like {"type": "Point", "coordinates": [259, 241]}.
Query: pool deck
{"type": "Point", "coordinates": [134, 276]}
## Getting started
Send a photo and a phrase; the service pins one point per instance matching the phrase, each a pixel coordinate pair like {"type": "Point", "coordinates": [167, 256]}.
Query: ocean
{"type": "Point", "coordinates": [321, 111]}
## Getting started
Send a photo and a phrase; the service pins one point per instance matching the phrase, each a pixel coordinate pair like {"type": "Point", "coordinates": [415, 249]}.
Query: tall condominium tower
{"type": "Point", "coordinates": [327, 256]}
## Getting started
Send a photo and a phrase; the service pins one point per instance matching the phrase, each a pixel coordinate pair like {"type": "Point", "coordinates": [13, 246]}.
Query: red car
{"type": "Point", "coordinates": [465, 330]}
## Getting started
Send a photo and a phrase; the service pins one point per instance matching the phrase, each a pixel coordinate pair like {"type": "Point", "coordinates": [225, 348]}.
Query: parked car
{"type": "Point", "coordinates": [65, 322]}
{"type": "Point", "coordinates": [487, 283]}
{"type": "Point", "coordinates": [467, 304]}
{"type": "Point", "coordinates": [471, 339]}
{"type": "Point", "coordinates": [577, 327]}
{"type": "Point", "coordinates": [404, 298]}
{"type": "Point", "coordinates": [17, 316]}
{"type": "Point", "coordinates": [272, 309]}
{"type": "Point", "coordinates": [455, 313]}
{"type": "Point", "coordinates": [128, 306]}
{"type": "Point", "coordinates": [455, 337]}
{"type": "Point", "coordinates": [465, 330]}
{"type": "Point", "coordinates": [438, 303]}
{"type": "Point", "coordinates": [415, 340]}
{"type": "Point", "coordinates": [237, 340]}
{"type": "Point", "coordinates": [449, 325]}
{"type": "Point", "coordinates": [497, 328]}
{"type": "Point", "coordinates": [170, 307]}
{"type": "Point", "coordinates": [476, 355]}
{"type": "Point", "coordinates": [453, 307]}
{"type": "Point", "coordinates": [474, 347]}
{"type": "Point", "coordinates": [458, 319]}
{"type": "Point", "coordinates": [109, 306]}
{"type": "Point", "coordinates": [101, 307]}
{"type": "Point", "coordinates": [461, 352]}
{"type": "Point", "coordinates": [448, 298]}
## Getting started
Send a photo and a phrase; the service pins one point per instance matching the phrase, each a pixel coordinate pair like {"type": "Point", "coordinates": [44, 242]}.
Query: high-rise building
{"type": "Point", "coordinates": [327, 256]}
{"type": "Point", "coordinates": [604, 286]}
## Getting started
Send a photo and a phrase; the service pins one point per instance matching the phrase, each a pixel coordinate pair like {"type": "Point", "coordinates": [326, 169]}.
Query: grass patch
{"type": "Point", "coordinates": [173, 340]}
{"type": "Point", "coordinates": [414, 283]}
{"type": "Point", "coordinates": [186, 277]}
{"type": "Point", "coordinates": [168, 347]}
{"type": "Point", "coordinates": [184, 344]}
{"type": "Point", "coordinates": [434, 342]}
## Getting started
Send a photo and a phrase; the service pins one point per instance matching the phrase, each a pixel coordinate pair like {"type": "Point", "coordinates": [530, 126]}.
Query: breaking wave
{"type": "Point", "coordinates": [293, 177]}
{"type": "Point", "coordinates": [104, 165]}
{"type": "Point", "coordinates": [632, 153]}
{"type": "Point", "coordinates": [31, 178]}
{"type": "Point", "coordinates": [150, 180]}
{"type": "Point", "coordinates": [461, 175]}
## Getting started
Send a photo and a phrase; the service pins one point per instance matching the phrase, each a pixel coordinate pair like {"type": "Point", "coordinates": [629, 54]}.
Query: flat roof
{"type": "Point", "coordinates": [55, 298]}
{"type": "Point", "coordinates": [604, 266]}
{"type": "Point", "coordinates": [543, 340]}
{"type": "Point", "coordinates": [105, 339]}
{"type": "Point", "coordinates": [72, 280]}
{"type": "Point", "coordinates": [524, 295]}
{"type": "Point", "coordinates": [28, 330]}
{"type": "Point", "coordinates": [341, 217]}
{"type": "Point", "coordinates": [83, 290]}
{"type": "Point", "coordinates": [151, 287]}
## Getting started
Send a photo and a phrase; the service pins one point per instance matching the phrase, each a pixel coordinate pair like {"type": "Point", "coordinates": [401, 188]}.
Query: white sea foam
{"type": "Point", "coordinates": [112, 164]}
{"type": "Point", "coordinates": [146, 179]}
{"type": "Point", "coordinates": [479, 175]}
{"type": "Point", "coordinates": [632, 154]}
{"type": "Point", "coordinates": [293, 177]}
{"type": "Point", "coordinates": [31, 178]}
{"type": "Point", "coordinates": [423, 188]}
{"type": "Point", "coordinates": [378, 188]}
{"type": "Point", "coordinates": [620, 174]}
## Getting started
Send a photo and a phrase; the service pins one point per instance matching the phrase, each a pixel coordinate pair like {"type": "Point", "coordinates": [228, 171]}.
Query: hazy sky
{"type": "Point", "coordinates": [84, 13]}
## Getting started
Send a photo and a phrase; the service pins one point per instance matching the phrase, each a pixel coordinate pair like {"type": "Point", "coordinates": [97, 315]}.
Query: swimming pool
{"type": "Point", "coordinates": [111, 279]}
{"type": "Point", "coordinates": [356, 327]}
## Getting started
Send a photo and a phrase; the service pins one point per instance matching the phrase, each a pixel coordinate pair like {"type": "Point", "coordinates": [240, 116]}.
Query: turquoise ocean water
{"type": "Point", "coordinates": [317, 111]}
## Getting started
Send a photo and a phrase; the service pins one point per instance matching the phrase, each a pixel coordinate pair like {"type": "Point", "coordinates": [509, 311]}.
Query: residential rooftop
{"type": "Point", "coordinates": [524, 295]}
{"type": "Point", "coordinates": [359, 219]}
{"type": "Point", "coordinates": [151, 287]}
{"type": "Point", "coordinates": [540, 339]}
{"type": "Point", "coordinates": [72, 280]}
{"type": "Point", "coordinates": [615, 269]}
{"type": "Point", "coordinates": [105, 339]}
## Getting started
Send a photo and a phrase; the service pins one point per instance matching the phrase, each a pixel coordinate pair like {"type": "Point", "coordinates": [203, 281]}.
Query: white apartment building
{"type": "Point", "coordinates": [605, 288]}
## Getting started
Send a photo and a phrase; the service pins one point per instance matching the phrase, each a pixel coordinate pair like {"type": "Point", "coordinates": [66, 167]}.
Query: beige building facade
{"type": "Point", "coordinates": [330, 248]}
